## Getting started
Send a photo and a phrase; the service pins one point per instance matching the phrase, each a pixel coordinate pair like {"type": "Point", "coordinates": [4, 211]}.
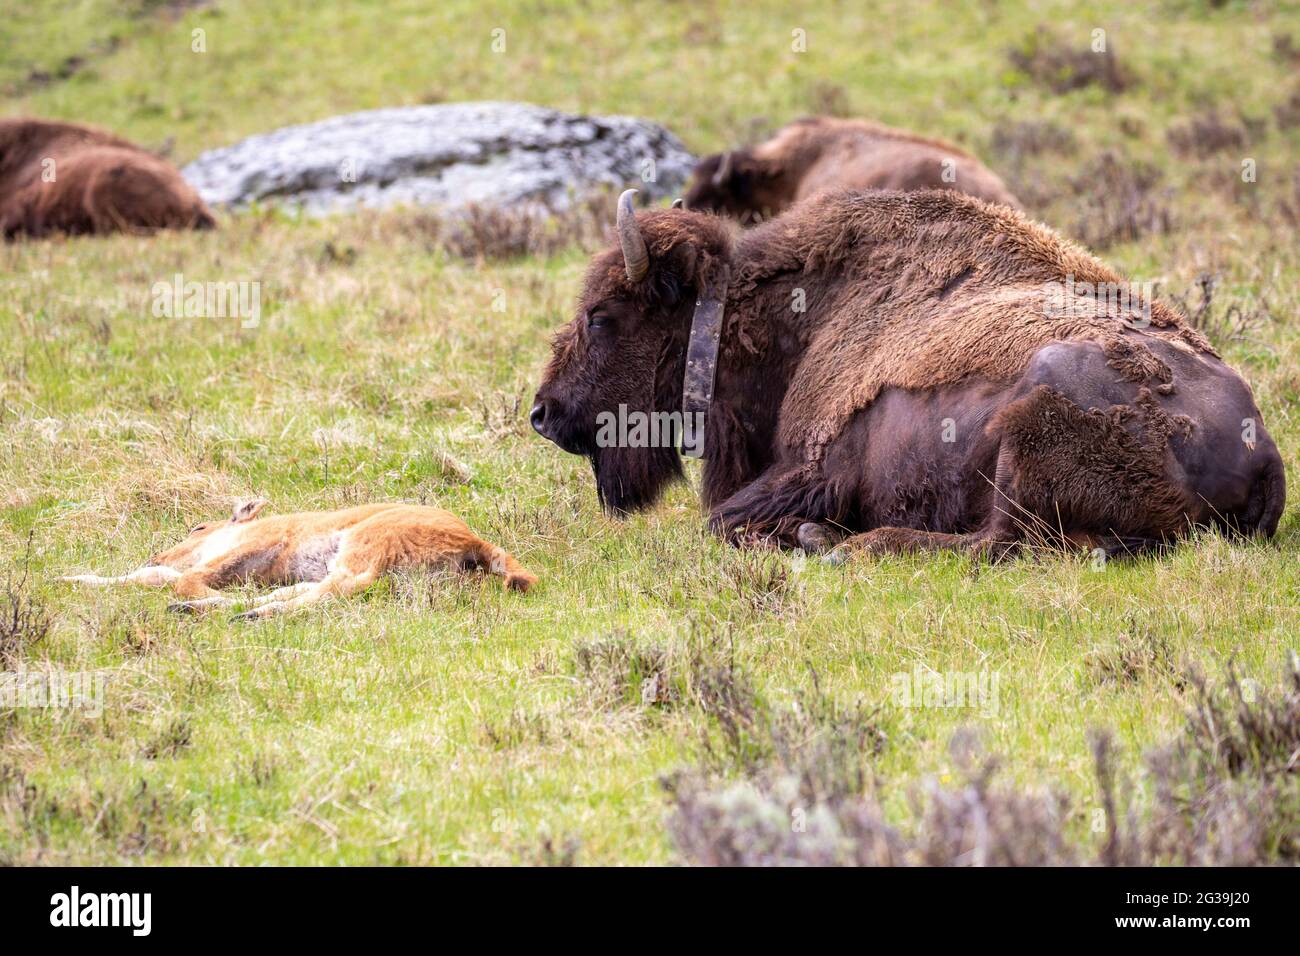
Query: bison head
{"type": "Point", "coordinates": [736, 184]}
{"type": "Point", "coordinates": [623, 354]}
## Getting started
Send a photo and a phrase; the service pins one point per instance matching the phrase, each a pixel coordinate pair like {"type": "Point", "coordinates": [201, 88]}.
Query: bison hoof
{"type": "Point", "coordinates": [992, 550]}
{"type": "Point", "coordinates": [814, 538]}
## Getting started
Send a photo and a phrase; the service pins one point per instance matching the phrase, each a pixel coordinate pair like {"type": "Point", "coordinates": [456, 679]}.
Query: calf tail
{"type": "Point", "coordinates": [501, 562]}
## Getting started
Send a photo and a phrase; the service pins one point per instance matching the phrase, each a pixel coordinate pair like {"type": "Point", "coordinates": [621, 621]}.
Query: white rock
{"type": "Point", "coordinates": [494, 154]}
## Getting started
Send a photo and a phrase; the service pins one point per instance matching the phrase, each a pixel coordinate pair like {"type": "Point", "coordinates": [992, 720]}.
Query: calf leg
{"type": "Point", "coordinates": [195, 586]}
{"type": "Point", "coordinates": [202, 585]}
{"type": "Point", "coordinates": [150, 576]}
{"type": "Point", "coordinates": [284, 593]}
{"type": "Point", "coordinates": [219, 600]}
{"type": "Point", "coordinates": [339, 583]}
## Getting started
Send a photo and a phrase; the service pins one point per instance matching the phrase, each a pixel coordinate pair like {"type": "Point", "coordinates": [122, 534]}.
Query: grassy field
{"type": "Point", "coordinates": [438, 719]}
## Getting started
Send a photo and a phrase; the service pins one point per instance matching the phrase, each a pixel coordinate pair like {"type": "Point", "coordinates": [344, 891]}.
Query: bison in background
{"type": "Point", "coordinates": [64, 177]}
{"type": "Point", "coordinates": [818, 153]}
{"type": "Point", "coordinates": [903, 368]}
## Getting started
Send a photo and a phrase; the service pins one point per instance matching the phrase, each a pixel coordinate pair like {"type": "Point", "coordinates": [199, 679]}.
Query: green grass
{"type": "Point", "coordinates": [438, 719]}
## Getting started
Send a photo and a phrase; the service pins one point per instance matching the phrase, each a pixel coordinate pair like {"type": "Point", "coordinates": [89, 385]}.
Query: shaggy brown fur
{"type": "Point", "coordinates": [312, 556]}
{"type": "Point", "coordinates": [944, 291]}
{"type": "Point", "coordinates": [930, 384]}
{"type": "Point", "coordinates": [818, 153]}
{"type": "Point", "coordinates": [64, 177]}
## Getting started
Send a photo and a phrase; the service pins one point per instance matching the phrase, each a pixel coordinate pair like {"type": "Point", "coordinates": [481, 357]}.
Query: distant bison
{"type": "Point", "coordinates": [818, 153]}
{"type": "Point", "coordinates": [64, 177]}
{"type": "Point", "coordinates": [914, 370]}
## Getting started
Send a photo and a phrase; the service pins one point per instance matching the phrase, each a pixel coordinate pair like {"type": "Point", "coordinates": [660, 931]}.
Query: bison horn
{"type": "Point", "coordinates": [679, 203]}
{"type": "Point", "coordinates": [635, 258]}
{"type": "Point", "coordinates": [724, 170]}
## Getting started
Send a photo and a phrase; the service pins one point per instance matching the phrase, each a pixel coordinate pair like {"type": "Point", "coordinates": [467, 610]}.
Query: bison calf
{"type": "Point", "coordinates": [312, 556]}
{"type": "Point", "coordinates": [818, 153]}
{"type": "Point", "coordinates": [67, 178]}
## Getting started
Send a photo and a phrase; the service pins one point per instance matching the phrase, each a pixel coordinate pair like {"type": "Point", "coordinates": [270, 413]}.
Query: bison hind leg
{"type": "Point", "coordinates": [1066, 472]}
{"type": "Point", "coordinates": [1131, 546]}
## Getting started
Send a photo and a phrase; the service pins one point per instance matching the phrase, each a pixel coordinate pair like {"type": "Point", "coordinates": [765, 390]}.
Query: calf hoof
{"type": "Point", "coordinates": [185, 607]}
{"type": "Point", "coordinates": [246, 616]}
{"type": "Point", "coordinates": [814, 538]}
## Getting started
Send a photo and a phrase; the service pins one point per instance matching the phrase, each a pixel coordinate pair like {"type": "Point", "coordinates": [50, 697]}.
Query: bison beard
{"type": "Point", "coordinates": [631, 479]}
{"type": "Point", "coordinates": [925, 397]}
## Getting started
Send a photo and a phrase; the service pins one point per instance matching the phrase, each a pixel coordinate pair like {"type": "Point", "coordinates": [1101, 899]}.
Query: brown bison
{"type": "Point", "coordinates": [818, 153]}
{"type": "Point", "coordinates": [919, 370]}
{"type": "Point", "coordinates": [63, 177]}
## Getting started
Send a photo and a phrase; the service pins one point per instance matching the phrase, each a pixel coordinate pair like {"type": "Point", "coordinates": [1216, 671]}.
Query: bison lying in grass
{"type": "Point", "coordinates": [63, 177]}
{"type": "Point", "coordinates": [818, 153]}
{"type": "Point", "coordinates": [312, 556]}
{"type": "Point", "coordinates": [918, 370]}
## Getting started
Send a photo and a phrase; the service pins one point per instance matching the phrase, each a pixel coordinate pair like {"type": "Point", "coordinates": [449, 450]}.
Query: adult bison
{"type": "Point", "coordinates": [64, 177]}
{"type": "Point", "coordinates": [818, 153]}
{"type": "Point", "coordinates": [920, 370]}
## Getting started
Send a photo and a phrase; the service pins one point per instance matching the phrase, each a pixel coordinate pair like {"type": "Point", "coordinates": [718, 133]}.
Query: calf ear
{"type": "Point", "coordinates": [248, 510]}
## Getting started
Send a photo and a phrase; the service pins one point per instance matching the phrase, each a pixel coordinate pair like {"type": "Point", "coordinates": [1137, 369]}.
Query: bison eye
{"type": "Point", "coordinates": [597, 319]}
{"type": "Point", "coordinates": [197, 528]}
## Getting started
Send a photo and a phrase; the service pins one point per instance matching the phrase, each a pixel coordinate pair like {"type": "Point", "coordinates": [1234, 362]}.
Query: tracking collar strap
{"type": "Point", "coordinates": [702, 362]}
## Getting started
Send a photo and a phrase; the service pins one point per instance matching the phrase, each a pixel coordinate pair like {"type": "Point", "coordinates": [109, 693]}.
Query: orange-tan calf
{"type": "Point", "coordinates": [312, 556]}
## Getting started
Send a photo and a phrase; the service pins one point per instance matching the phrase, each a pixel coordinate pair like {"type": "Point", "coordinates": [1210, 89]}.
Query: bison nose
{"type": "Point", "coordinates": [538, 417]}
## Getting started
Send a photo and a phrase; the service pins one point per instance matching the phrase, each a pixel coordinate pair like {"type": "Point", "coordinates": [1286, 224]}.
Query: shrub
{"type": "Point", "coordinates": [1012, 141]}
{"type": "Point", "coordinates": [1220, 322]}
{"type": "Point", "coordinates": [24, 622]}
{"type": "Point", "coordinates": [1205, 135]}
{"type": "Point", "coordinates": [490, 233]}
{"type": "Point", "coordinates": [1052, 62]}
{"type": "Point", "coordinates": [1119, 201]}
{"type": "Point", "coordinates": [1226, 792]}
{"type": "Point", "coordinates": [625, 671]}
